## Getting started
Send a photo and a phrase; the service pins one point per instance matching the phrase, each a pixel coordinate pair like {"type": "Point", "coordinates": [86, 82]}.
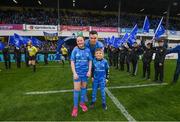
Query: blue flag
{"type": "Point", "coordinates": [160, 30]}
{"type": "Point", "coordinates": [109, 41]}
{"type": "Point", "coordinates": [26, 40]}
{"type": "Point", "coordinates": [1, 46]}
{"type": "Point", "coordinates": [106, 41]}
{"type": "Point", "coordinates": [132, 36]}
{"type": "Point", "coordinates": [18, 37]}
{"type": "Point", "coordinates": [112, 40]}
{"type": "Point", "coordinates": [59, 44]}
{"type": "Point", "coordinates": [17, 42]}
{"type": "Point", "coordinates": [124, 38]}
{"type": "Point", "coordinates": [36, 42]}
{"type": "Point", "coordinates": [146, 25]}
{"type": "Point", "coordinates": [117, 42]}
{"type": "Point", "coordinates": [11, 40]}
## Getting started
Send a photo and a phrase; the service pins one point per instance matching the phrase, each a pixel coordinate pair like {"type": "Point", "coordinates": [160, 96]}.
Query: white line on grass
{"type": "Point", "coordinates": [137, 86]}
{"type": "Point", "coordinates": [120, 106]}
{"type": "Point", "coordinates": [113, 87]}
{"type": "Point", "coordinates": [51, 66]}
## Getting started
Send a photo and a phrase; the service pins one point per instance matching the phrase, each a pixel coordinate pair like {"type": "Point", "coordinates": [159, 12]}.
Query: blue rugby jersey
{"type": "Point", "coordinates": [100, 69]}
{"type": "Point", "coordinates": [81, 58]}
{"type": "Point", "coordinates": [93, 49]}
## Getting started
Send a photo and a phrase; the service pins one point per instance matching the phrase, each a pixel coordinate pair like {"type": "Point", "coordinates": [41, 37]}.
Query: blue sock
{"type": "Point", "coordinates": [83, 94]}
{"type": "Point", "coordinates": [76, 98]}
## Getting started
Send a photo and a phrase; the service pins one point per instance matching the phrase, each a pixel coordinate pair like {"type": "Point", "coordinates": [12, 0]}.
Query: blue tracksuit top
{"type": "Point", "coordinates": [175, 50]}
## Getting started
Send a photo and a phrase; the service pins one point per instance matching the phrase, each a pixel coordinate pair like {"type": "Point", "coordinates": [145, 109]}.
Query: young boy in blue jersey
{"type": "Point", "coordinates": [100, 72]}
{"type": "Point", "coordinates": [81, 65]}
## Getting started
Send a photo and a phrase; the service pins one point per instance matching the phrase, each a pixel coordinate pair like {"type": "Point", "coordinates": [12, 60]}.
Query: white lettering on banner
{"type": "Point", "coordinates": [41, 27]}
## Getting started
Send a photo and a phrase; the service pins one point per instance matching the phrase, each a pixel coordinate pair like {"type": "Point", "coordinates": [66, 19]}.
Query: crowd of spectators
{"type": "Point", "coordinates": [88, 18]}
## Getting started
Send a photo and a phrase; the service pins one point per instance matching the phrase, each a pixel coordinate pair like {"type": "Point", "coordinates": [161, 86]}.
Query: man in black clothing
{"type": "Point", "coordinates": [6, 55]}
{"type": "Point", "coordinates": [109, 51]}
{"type": "Point", "coordinates": [17, 54]}
{"type": "Point", "coordinates": [122, 54]}
{"type": "Point", "coordinates": [45, 50]}
{"type": "Point", "coordinates": [147, 58]}
{"type": "Point", "coordinates": [160, 53]}
{"type": "Point", "coordinates": [127, 57]}
{"type": "Point", "coordinates": [26, 55]}
{"type": "Point", "coordinates": [135, 52]}
{"type": "Point", "coordinates": [115, 53]}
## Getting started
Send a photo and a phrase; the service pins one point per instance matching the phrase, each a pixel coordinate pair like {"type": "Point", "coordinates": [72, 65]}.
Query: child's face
{"type": "Point", "coordinates": [148, 46]}
{"type": "Point", "coordinates": [80, 42]}
{"type": "Point", "coordinates": [99, 54]}
{"type": "Point", "coordinates": [161, 43]}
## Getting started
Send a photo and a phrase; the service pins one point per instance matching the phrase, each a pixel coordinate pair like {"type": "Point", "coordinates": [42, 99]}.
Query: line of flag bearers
{"type": "Point", "coordinates": [130, 55]}
{"type": "Point", "coordinates": [29, 51]}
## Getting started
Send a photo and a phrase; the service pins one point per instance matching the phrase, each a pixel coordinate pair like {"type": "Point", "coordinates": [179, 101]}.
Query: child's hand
{"type": "Point", "coordinates": [107, 80]}
{"type": "Point", "coordinates": [75, 76]}
{"type": "Point", "coordinates": [88, 74]}
{"type": "Point", "coordinates": [92, 79]}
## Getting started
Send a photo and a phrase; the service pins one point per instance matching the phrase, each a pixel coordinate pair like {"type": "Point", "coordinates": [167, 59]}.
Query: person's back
{"type": "Point", "coordinates": [160, 54]}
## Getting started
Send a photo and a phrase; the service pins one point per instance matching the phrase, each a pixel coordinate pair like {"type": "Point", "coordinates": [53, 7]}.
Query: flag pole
{"type": "Point", "coordinates": [119, 16]}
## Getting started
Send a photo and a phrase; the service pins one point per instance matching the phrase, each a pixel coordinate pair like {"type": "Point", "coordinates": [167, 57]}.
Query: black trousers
{"type": "Point", "coordinates": [110, 60]}
{"type": "Point", "coordinates": [7, 63]}
{"type": "Point", "coordinates": [176, 73]}
{"type": "Point", "coordinates": [159, 71]}
{"type": "Point", "coordinates": [128, 65]}
{"type": "Point", "coordinates": [121, 64]}
{"type": "Point", "coordinates": [115, 61]}
{"type": "Point", "coordinates": [18, 61]}
{"type": "Point", "coordinates": [135, 66]}
{"type": "Point", "coordinates": [146, 69]}
{"type": "Point", "coordinates": [46, 58]}
{"type": "Point", "coordinates": [27, 60]}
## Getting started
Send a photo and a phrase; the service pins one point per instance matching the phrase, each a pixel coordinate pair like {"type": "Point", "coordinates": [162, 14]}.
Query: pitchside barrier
{"type": "Point", "coordinates": [53, 57]}
{"type": "Point", "coordinates": [39, 57]}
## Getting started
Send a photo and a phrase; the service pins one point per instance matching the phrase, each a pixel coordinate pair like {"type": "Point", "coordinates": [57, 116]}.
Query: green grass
{"type": "Point", "coordinates": [148, 103]}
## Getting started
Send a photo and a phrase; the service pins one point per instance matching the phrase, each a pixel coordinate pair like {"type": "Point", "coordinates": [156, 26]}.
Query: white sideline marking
{"type": "Point", "coordinates": [51, 66]}
{"type": "Point", "coordinates": [120, 106]}
{"type": "Point", "coordinates": [112, 87]}
{"type": "Point", "coordinates": [137, 86]}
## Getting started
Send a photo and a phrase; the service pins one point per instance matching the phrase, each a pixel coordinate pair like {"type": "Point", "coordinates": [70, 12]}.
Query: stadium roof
{"type": "Point", "coordinates": [153, 7]}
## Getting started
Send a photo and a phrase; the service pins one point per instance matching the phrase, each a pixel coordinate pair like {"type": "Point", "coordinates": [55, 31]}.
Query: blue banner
{"type": "Point", "coordinates": [39, 57]}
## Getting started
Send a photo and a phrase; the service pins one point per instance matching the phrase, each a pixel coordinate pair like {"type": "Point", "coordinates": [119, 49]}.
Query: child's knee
{"type": "Point", "coordinates": [83, 85]}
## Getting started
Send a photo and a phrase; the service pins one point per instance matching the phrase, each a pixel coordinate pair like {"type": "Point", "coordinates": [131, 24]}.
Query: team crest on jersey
{"type": "Point", "coordinates": [77, 54]}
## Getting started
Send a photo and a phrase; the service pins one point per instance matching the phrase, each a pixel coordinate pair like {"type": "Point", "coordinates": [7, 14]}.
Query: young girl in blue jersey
{"type": "Point", "coordinates": [81, 65]}
{"type": "Point", "coordinates": [100, 72]}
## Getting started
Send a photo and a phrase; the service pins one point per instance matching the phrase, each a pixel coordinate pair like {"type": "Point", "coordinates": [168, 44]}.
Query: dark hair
{"type": "Point", "coordinates": [98, 49]}
{"type": "Point", "coordinates": [93, 32]}
{"type": "Point", "coordinates": [80, 36]}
